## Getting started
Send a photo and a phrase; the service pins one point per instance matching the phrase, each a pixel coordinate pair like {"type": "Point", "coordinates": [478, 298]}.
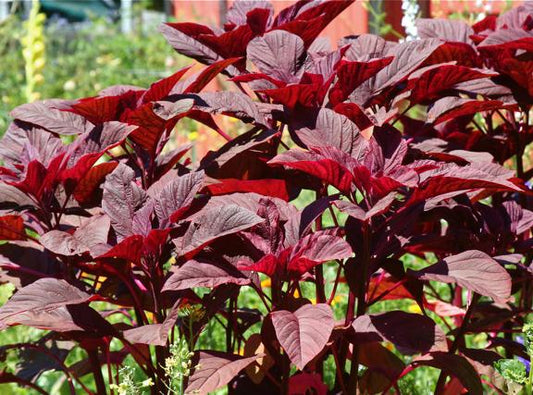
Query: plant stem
{"type": "Point", "coordinates": [97, 372]}
{"type": "Point", "coordinates": [459, 338]}
{"type": "Point", "coordinates": [361, 304]}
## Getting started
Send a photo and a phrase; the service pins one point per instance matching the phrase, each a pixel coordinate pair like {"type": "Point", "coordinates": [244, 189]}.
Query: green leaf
{"type": "Point", "coordinates": [511, 369]}
{"type": "Point", "coordinates": [528, 338]}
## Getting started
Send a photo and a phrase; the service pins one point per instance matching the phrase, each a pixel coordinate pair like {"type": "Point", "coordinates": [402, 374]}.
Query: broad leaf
{"type": "Point", "coordinates": [202, 274]}
{"type": "Point", "coordinates": [43, 304]}
{"type": "Point", "coordinates": [213, 224]}
{"type": "Point", "coordinates": [304, 333]}
{"type": "Point", "coordinates": [123, 199]}
{"type": "Point", "coordinates": [456, 366]}
{"type": "Point", "coordinates": [214, 370]}
{"type": "Point", "coordinates": [91, 234]}
{"type": "Point", "coordinates": [411, 333]}
{"type": "Point", "coordinates": [278, 54]}
{"type": "Point", "coordinates": [46, 115]}
{"type": "Point", "coordinates": [171, 198]}
{"type": "Point", "coordinates": [12, 228]}
{"type": "Point", "coordinates": [473, 270]}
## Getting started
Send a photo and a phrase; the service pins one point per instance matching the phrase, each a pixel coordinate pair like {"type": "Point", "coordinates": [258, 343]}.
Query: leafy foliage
{"type": "Point", "coordinates": [407, 148]}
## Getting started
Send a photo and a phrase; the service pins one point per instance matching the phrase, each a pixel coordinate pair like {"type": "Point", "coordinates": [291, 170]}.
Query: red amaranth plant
{"type": "Point", "coordinates": [406, 146]}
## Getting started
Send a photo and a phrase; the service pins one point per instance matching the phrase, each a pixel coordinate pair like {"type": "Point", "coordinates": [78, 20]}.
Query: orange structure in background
{"type": "Point", "coordinates": [353, 20]}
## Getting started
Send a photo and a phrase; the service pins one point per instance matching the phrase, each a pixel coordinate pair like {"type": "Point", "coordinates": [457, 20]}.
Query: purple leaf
{"type": "Point", "coordinates": [473, 270]}
{"type": "Point", "coordinates": [175, 195]}
{"type": "Point", "coordinates": [445, 29]}
{"type": "Point", "coordinates": [187, 45]}
{"type": "Point", "coordinates": [335, 130]}
{"type": "Point", "coordinates": [202, 274]}
{"type": "Point", "coordinates": [123, 199]}
{"type": "Point", "coordinates": [411, 333]}
{"type": "Point", "coordinates": [214, 370]}
{"type": "Point", "coordinates": [278, 54]}
{"type": "Point", "coordinates": [46, 115]}
{"type": "Point", "coordinates": [235, 104]}
{"type": "Point", "coordinates": [168, 110]}
{"type": "Point", "coordinates": [407, 57]}
{"type": "Point", "coordinates": [43, 304]}
{"type": "Point", "coordinates": [304, 333]}
{"type": "Point", "coordinates": [154, 334]}
{"type": "Point", "coordinates": [91, 234]}
{"type": "Point", "coordinates": [99, 139]}
{"type": "Point", "coordinates": [213, 224]}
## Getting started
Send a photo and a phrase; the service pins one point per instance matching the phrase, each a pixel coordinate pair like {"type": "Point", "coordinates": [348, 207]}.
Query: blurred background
{"type": "Point", "coordinates": [74, 48]}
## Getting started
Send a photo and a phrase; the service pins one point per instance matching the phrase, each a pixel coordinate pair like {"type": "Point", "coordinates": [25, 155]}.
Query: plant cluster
{"type": "Point", "coordinates": [415, 154]}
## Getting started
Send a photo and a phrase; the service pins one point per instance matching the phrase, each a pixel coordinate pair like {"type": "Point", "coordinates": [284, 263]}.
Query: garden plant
{"type": "Point", "coordinates": [366, 178]}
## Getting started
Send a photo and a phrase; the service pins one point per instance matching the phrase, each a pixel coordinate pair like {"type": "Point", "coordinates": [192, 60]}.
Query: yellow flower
{"type": "Point", "coordinates": [193, 136]}
{"type": "Point", "coordinates": [414, 308]}
{"type": "Point", "coordinates": [337, 299]}
{"type": "Point", "coordinates": [266, 283]}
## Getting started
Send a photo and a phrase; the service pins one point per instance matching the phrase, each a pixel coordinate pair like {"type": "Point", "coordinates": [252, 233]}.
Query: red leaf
{"type": "Point", "coordinates": [428, 86]}
{"type": "Point", "coordinates": [160, 89]}
{"type": "Point", "coordinates": [208, 74]}
{"type": "Point", "coordinates": [351, 75]}
{"type": "Point", "coordinates": [87, 190]}
{"type": "Point", "coordinates": [309, 23]}
{"type": "Point", "coordinates": [305, 95]}
{"type": "Point", "coordinates": [328, 170]}
{"type": "Point", "coordinates": [107, 108]}
{"type": "Point", "coordinates": [307, 383]}
{"type": "Point", "coordinates": [265, 187]}
{"type": "Point", "coordinates": [12, 228]}
{"type": "Point", "coordinates": [129, 249]}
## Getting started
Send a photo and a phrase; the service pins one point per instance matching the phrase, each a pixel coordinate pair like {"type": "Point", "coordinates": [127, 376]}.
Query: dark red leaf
{"type": "Point", "coordinates": [307, 382]}
{"type": "Point", "coordinates": [107, 108]}
{"type": "Point", "coordinates": [456, 366]}
{"type": "Point", "coordinates": [87, 191]}
{"type": "Point", "coordinates": [351, 75]}
{"type": "Point", "coordinates": [266, 187]}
